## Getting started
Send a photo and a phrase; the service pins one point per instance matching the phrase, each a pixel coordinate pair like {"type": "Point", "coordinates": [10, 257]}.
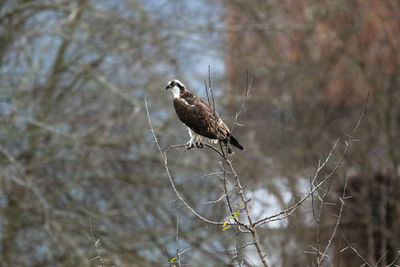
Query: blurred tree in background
{"type": "Point", "coordinates": [313, 64]}
{"type": "Point", "coordinates": [75, 146]}
{"type": "Point", "coordinates": [73, 135]}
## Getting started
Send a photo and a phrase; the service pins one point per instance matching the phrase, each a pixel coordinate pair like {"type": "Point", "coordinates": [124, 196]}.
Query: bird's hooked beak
{"type": "Point", "coordinates": [168, 86]}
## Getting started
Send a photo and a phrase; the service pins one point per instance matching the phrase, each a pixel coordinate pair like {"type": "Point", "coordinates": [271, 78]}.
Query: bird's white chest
{"type": "Point", "coordinates": [175, 91]}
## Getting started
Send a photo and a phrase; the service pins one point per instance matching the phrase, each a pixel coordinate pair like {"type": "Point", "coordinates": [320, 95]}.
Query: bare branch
{"type": "Point", "coordinates": [28, 184]}
{"type": "Point", "coordinates": [97, 245]}
{"type": "Point", "coordinates": [35, 5]}
{"type": "Point", "coordinates": [339, 217]}
{"type": "Point", "coordinates": [395, 260]}
{"type": "Point", "coordinates": [355, 250]}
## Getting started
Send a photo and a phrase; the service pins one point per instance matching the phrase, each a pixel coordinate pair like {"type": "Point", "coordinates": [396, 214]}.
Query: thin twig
{"type": "Point", "coordinates": [228, 202]}
{"type": "Point", "coordinates": [395, 260]}
{"type": "Point", "coordinates": [339, 217]}
{"type": "Point", "coordinates": [215, 201]}
{"type": "Point", "coordinates": [28, 184]}
{"type": "Point", "coordinates": [252, 227]}
{"type": "Point", "coordinates": [96, 243]}
{"type": "Point", "coordinates": [249, 83]}
{"type": "Point", "coordinates": [355, 250]}
{"type": "Point", "coordinates": [171, 147]}
{"type": "Point", "coordinates": [178, 254]}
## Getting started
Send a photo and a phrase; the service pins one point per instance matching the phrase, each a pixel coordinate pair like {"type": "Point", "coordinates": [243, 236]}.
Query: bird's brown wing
{"type": "Point", "coordinates": [199, 116]}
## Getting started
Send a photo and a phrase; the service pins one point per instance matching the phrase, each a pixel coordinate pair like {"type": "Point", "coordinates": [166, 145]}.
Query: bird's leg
{"type": "Point", "coordinates": [190, 143]}
{"type": "Point", "coordinates": [191, 140]}
{"type": "Point", "coordinates": [198, 142]}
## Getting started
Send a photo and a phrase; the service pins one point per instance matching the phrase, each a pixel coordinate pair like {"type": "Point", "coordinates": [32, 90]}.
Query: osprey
{"type": "Point", "coordinates": [199, 117]}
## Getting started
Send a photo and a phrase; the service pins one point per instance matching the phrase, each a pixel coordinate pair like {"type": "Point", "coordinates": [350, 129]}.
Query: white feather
{"type": "Point", "coordinates": [175, 91]}
{"type": "Point", "coordinates": [194, 137]}
{"type": "Point", "coordinates": [187, 102]}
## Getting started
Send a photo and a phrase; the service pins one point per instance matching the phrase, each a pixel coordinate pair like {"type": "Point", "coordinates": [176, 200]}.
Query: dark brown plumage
{"type": "Point", "coordinates": [199, 116]}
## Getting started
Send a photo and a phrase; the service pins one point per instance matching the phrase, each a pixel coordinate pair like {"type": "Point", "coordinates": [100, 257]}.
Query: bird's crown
{"type": "Point", "coordinates": [176, 82]}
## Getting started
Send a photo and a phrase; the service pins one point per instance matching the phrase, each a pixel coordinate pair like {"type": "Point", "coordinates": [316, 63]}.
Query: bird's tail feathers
{"type": "Point", "coordinates": [234, 142]}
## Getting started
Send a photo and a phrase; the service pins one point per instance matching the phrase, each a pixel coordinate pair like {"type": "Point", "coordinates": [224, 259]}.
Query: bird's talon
{"type": "Point", "coordinates": [199, 145]}
{"type": "Point", "coordinates": [189, 146]}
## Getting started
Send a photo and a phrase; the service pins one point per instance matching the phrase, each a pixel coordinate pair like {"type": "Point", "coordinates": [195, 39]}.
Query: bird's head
{"type": "Point", "coordinates": [176, 87]}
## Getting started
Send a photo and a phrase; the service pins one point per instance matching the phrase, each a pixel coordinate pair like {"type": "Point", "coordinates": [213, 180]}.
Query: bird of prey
{"type": "Point", "coordinates": [200, 118]}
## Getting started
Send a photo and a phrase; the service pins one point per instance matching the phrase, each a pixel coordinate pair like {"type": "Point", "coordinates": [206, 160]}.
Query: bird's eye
{"type": "Point", "coordinates": [173, 83]}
